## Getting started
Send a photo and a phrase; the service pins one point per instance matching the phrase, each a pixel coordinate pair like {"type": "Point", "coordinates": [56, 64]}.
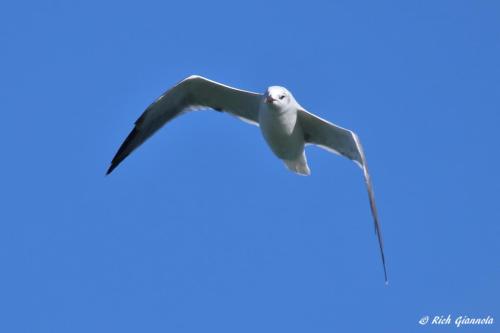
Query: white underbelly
{"type": "Point", "coordinates": [282, 133]}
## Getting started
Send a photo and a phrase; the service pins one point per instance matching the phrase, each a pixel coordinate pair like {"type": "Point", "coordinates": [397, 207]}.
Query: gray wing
{"type": "Point", "coordinates": [346, 143]}
{"type": "Point", "coordinates": [191, 93]}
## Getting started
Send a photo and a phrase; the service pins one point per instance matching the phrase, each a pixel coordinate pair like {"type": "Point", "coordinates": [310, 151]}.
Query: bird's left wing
{"type": "Point", "coordinates": [191, 93]}
{"type": "Point", "coordinates": [346, 143]}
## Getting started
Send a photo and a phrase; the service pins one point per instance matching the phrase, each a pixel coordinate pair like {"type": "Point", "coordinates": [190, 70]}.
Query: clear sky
{"type": "Point", "coordinates": [203, 229]}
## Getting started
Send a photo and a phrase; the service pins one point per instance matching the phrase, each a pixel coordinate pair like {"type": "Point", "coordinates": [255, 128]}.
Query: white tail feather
{"type": "Point", "coordinates": [299, 165]}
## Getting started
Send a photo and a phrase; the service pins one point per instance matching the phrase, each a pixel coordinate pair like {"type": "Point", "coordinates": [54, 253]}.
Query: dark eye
{"type": "Point", "coordinates": [282, 96]}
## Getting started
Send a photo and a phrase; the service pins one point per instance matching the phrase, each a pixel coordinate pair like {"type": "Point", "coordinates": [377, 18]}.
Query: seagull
{"type": "Point", "coordinates": [286, 126]}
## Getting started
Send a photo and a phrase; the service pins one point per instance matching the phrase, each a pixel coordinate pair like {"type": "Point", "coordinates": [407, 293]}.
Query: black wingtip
{"type": "Point", "coordinates": [382, 255]}
{"type": "Point", "coordinates": [111, 168]}
{"type": "Point", "coordinates": [125, 149]}
{"type": "Point", "coordinates": [385, 276]}
{"type": "Point", "coordinates": [384, 265]}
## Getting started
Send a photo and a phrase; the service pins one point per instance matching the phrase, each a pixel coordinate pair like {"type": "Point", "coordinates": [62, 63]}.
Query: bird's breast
{"type": "Point", "coordinates": [282, 132]}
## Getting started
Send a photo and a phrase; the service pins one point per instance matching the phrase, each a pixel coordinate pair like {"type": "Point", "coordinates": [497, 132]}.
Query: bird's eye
{"type": "Point", "coordinates": [282, 96]}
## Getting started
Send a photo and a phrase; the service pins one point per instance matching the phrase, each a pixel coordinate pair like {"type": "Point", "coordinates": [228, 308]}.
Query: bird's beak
{"type": "Point", "coordinates": [269, 100]}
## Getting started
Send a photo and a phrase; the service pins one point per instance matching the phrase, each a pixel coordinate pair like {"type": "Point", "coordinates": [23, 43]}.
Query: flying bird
{"type": "Point", "coordinates": [286, 126]}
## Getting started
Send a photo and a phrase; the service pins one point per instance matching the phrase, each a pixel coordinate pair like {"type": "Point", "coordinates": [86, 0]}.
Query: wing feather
{"type": "Point", "coordinates": [191, 93]}
{"type": "Point", "coordinates": [346, 143]}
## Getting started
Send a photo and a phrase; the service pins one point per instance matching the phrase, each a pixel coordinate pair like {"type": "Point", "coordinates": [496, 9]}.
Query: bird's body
{"type": "Point", "coordinates": [283, 133]}
{"type": "Point", "coordinates": [286, 126]}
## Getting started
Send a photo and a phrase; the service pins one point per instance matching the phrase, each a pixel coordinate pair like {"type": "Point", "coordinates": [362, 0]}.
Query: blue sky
{"type": "Point", "coordinates": [214, 234]}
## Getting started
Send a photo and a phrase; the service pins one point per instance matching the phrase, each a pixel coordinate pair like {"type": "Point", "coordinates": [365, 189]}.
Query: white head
{"type": "Point", "coordinates": [277, 97]}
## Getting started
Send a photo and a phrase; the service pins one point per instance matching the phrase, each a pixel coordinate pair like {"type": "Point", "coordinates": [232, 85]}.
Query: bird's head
{"type": "Point", "coordinates": [277, 97]}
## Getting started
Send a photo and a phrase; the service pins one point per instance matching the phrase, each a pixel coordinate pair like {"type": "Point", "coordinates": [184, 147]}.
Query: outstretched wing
{"type": "Point", "coordinates": [346, 143]}
{"type": "Point", "coordinates": [192, 92]}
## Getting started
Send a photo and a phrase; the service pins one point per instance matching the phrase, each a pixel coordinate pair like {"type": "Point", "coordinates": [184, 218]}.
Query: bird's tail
{"type": "Point", "coordinates": [298, 165]}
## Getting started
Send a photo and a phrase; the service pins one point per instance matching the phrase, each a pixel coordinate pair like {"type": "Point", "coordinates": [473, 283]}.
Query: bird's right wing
{"type": "Point", "coordinates": [346, 143]}
{"type": "Point", "coordinates": [191, 93]}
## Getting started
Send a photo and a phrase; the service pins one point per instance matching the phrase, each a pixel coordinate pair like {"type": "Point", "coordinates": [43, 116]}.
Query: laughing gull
{"type": "Point", "coordinates": [286, 126]}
